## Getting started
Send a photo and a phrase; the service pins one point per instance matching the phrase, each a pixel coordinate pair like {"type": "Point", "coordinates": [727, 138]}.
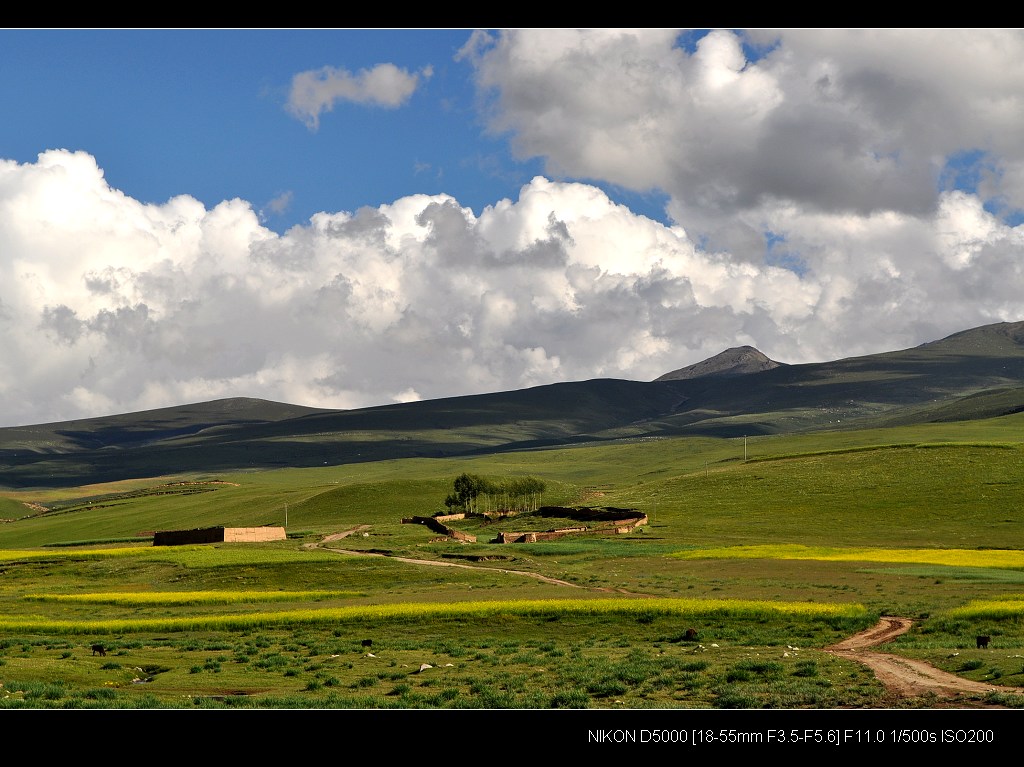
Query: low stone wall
{"type": "Point", "coordinates": [449, 517]}
{"type": "Point", "coordinates": [592, 514]}
{"type": "Point", "coordinates": [535, 536]}
{"type": "Point", "coordinates": [184, 537]}
{"type": "Point", "coordinates": [438, 527]}
{"type": "Point", "coordinates": [605, 519]}
{"type": "Point", "coordinates": [254, 534]}
{"type": "Point", "coordinates": [218, 535]}
{"type": "Point", "coordinates": [608, 520]}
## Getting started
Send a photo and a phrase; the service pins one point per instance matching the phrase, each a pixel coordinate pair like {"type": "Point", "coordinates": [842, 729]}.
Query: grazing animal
{"type": "Point", "coordinates": [367, 643]}
{"type": "Point", "coordinates": [99, 649]}
{"type": "Point", "coordinates": [690, 635]}
{"type": "Point", "coordinates": [983, 642]}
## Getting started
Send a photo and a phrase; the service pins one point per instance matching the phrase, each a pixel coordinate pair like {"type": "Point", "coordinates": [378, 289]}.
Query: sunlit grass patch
{"type": "Point", "coordinates": [640, 608]}
{"type": "Point", "coordinates": [946, 573]}
{"type": "Point", "coordinates": [189, 597]}
{"type": "Point", "coordinates": [1008, 607]}
{"type": "Point", "coordinates": [8, 555]}
{"type": "Point", "coordinates": [998, 558]}
{"type": "Point", "coordinates": [234, 554]}
{"type": "Point", "coordinates": [196, 555]}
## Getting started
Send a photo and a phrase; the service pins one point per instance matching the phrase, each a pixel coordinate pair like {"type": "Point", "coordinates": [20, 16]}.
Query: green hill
{"type": "Point", "coordinates": [975, 373]}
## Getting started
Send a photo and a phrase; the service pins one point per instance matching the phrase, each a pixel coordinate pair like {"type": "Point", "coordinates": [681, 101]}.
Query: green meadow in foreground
{"type": "Point", "coordinates": [745, 570]}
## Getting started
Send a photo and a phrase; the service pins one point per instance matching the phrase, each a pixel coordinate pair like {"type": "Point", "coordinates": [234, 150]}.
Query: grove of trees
{"type": "Point", "coordinates": [474, 494]}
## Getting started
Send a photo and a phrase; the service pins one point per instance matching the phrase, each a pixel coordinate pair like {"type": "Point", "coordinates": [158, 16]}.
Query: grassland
{"type": "Point", "coordinates": [769, 548]}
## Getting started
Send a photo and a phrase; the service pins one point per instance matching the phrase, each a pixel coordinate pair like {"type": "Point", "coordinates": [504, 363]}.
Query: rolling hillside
{"type": "Point", "coordinates": [977, 373]}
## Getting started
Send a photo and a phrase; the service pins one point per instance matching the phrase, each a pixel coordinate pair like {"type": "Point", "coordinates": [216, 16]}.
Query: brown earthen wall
{"type": "Point", "coordinates": [219, 535]}
{"type": "Point", "coordinates": [254, 534]}
{"type": "Point", "coordinates": [449, 517]}
{"type": "Point", "coordinates": [184, 537]}
{"type": "Point", "coordinates": [437, 527]}
{"type": "Point", "coordinates": [622, 528]}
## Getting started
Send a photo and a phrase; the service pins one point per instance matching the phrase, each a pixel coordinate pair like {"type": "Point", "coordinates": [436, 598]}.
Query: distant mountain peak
{"type": "Point", "coordinates": [736, 361]}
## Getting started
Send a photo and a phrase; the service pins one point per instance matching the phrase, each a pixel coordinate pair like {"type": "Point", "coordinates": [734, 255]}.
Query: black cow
{"type": "Point", "coordinates": [367, 643]}
{"type": "Point", "coordinates": [983, 642]}
{"type": "Point", "coordinates": [690, 635]}
{"type": "Point", "coordinates": [98, 649]}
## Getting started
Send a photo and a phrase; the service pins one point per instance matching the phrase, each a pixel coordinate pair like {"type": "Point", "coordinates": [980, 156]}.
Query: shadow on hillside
{"type": "Point", "coordinates": [790, 398]}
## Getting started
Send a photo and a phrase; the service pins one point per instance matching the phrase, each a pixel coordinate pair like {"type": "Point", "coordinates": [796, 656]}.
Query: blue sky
{"type": "Point", "coordinates": [353, 217]}
{"type": "Point", "coordinates": [204, 113]}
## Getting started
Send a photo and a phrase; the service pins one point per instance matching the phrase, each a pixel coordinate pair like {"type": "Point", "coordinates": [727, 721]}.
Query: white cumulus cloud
{"type": "Point", "coordinates": [838, 122]}
{"type": "Point", "coordinates": [108, 304]}
{"type": "Point", "coordinates": [316, 91]}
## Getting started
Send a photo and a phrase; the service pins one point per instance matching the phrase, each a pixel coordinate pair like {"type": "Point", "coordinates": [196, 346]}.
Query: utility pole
{"type": "Point", "coordinates": [286, 515]}
{"type": "Point", "coordinates": [744, 447]}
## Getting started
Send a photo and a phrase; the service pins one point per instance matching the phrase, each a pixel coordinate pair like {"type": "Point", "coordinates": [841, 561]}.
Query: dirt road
{"type": "Point", "coordinates": [437, 563]}
{"type": "Point", "coordinates": [905, 678]}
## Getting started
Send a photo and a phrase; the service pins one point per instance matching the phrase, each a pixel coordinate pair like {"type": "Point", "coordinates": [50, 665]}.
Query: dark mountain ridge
{"type": "Point", "coordinates": [972, 374]}
{"type": "Point", "coordinates": [130, 429]}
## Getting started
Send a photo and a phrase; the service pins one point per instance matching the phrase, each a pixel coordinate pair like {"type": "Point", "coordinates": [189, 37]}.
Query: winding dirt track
{"type": "Point", "coordinates": [434, 562]}
{"type": "Point", "coordinates": [904, 679]}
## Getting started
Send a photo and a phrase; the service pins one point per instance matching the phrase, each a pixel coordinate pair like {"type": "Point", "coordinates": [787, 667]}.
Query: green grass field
{"type": "Point", "coordinates": [768, 557]}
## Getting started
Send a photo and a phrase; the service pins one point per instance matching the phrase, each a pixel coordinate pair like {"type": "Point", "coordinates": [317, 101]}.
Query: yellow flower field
{"type": "Point", "coordinates": [751, 609]}
{"type": "Point", "coordinates": [995, 558]}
